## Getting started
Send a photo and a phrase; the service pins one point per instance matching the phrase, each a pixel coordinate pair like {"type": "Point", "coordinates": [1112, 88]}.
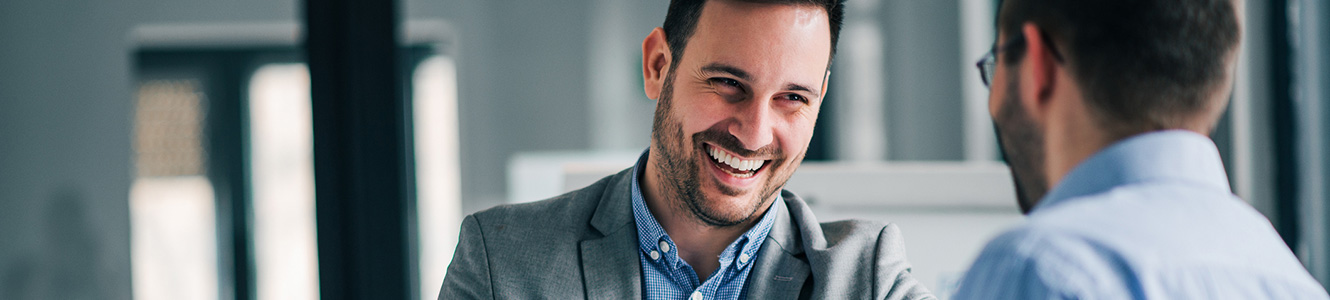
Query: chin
{"type": "Point", "coordinates": [719, 209]}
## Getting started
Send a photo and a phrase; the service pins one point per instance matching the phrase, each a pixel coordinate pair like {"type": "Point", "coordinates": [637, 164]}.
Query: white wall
{"type": "Point", "coordinates": [523, 83]}
{"type": "Point", "coordinates": [924, 107]}
{"type": "Point", "coordinates": [64, 150]}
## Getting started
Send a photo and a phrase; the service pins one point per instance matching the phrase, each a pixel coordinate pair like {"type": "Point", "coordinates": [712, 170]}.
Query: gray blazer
{"type": "Point", "coordinates": [583, 245]}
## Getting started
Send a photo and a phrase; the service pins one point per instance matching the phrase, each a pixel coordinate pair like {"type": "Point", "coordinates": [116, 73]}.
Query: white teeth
{"type": "Point", "coordinates": [735, 162]}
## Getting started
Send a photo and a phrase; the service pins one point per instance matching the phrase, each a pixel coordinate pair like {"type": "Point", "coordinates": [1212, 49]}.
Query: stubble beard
{"type": "Point", "coordinates": [1018, 133]}
{"type": "Point", "coordinates": [681, 172]}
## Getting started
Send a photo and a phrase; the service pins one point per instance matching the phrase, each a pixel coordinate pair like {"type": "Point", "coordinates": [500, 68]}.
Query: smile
{"type": "Point", "coordinates": [735, 166]}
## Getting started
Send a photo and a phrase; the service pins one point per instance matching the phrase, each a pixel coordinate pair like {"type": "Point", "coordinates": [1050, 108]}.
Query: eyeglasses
{"type": "Point", "coordinates": [988, 63]}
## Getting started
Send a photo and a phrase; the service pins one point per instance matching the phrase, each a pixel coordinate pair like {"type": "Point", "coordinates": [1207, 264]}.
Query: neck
{"type": "Point", "coordinates": [1072, 137]}
{"type": "Point", "coordinates": [699, 243]}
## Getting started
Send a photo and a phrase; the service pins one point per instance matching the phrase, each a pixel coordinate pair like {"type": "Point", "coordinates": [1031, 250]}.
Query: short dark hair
{"type": "Point", "coordinates": [681, 21]}
{"type": "Point", "coordinates": [1144, 64]}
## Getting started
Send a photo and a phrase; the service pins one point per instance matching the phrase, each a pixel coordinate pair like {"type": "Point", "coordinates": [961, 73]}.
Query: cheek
{"type": "Point", "coordinates": [795, 135]}
{"type": "Point", "coordinates": [701, 113]}
{"type": "Point", "coordinates": [994, 103]}
{"type": "Point", "coordinates": [997, 97]}
{"type": "Point", "coordinates": [702, 110]}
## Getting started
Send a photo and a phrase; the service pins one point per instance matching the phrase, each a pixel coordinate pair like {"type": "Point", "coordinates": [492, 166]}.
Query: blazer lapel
{"type": "Point", "coordinates": [610, 265]}
{"type": "Point", "coordinates": [781, 268]}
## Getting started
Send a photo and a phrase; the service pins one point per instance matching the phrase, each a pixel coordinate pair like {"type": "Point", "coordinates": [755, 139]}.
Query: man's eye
{"type": "Point", "coordinates": [727, 85]}
{"type": "Point", "coordinates": [726, 81]}
{"type": "Point", "coordinates": [796, 97]}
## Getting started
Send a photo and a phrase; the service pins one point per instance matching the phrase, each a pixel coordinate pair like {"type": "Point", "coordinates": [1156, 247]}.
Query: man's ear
{"type": "Point", "coordinates": [656, 58]}
{"type": "Point", "coordinates": [1038, 73]}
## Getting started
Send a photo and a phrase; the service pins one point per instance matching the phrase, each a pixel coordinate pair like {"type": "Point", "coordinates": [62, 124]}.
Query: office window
{"type": "Point", "coordinates": [223, 205]}
{"type": "Point", "coordinates": [171, 202]}
{"type": "Point", "coordinates": [282, 168]}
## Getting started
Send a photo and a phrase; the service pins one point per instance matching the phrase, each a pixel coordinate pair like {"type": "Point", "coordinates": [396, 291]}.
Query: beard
{"type": "Point", "coordinates": [1022, 147]}
{"type": "Point", "coordinates": [681, 172]}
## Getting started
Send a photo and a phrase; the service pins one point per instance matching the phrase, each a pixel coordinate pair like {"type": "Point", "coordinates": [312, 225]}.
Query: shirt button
{"type": "Point", "coordinates": [664, 247]}
{"type": "Point", "coordinates": [655, 255]}
{"type": "Point", "coordinates": [696, 296]}
{"type": "Point", "coordinates": [743, 258]}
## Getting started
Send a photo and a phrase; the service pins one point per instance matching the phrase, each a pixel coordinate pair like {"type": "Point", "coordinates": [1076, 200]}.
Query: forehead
{"type": "Point", "coordinates": [762, 35]}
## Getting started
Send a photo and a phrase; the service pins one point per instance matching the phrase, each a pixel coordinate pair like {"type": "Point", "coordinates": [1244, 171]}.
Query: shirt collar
{"type": "Point", "coordinates": [650, 234]}
{"type": "Point", "coordinates": [1172, 155]}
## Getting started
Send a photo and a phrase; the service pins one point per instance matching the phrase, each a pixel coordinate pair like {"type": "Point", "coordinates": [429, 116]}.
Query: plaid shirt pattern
{"type": "Point", "coordinates": [666, 276]}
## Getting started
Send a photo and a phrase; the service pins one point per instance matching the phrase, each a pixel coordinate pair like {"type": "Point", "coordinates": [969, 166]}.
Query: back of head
{"type": "Point", "coordinates": [1143, 64]}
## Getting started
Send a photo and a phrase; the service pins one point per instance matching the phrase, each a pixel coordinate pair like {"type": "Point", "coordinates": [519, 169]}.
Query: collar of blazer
{"type": "Point", "coordinates": [615, 213]}
{"type": "Point", "coordinates": [780, 271]}
{"type": "Point", "coordinates": [610, 266]}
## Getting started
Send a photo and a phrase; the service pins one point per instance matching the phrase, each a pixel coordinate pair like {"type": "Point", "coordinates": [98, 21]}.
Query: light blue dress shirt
{"type": "Point", "coordinates": [666, 276]}
{"type": "Point", "coordinates": [1150, 217]}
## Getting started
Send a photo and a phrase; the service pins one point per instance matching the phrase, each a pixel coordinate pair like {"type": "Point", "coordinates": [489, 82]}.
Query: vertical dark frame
{"type": "Point", "coordinates": [230, 174]}
{"type": "Point", "coordinates": [361, 150]}
{"type": "Point", "coordinates": [1285, 124]}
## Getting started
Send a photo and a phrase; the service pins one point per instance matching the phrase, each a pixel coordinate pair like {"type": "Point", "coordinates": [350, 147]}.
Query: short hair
{"type": "Point", "coordinates": [1144, 64]}
{"type": "Point", "coordinates": [682, 17]}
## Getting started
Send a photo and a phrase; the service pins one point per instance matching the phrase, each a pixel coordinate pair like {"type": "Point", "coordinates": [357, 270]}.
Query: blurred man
{"type": "Point", "coordinates": [1102, 108]}
{"type": "Point", "coordinates": [702, 215]}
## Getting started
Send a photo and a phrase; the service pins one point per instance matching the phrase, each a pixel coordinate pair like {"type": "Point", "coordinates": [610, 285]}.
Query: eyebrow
{"type": "Point", "coordinates": [798, 87]}
{"type": "Point", "coordinates": [724, 68]}
{"type": "Point", "coordinates": [743, 75]}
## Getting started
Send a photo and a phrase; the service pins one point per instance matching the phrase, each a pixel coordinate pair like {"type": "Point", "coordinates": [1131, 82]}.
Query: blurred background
{"type": "Point", "coordinates": [157, 149]}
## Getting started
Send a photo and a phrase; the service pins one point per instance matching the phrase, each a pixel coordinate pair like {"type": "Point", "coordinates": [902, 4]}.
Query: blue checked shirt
{"type": "Point", "coordinates": [666, 276]}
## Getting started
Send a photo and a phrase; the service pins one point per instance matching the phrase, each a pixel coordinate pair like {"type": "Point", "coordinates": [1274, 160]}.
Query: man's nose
{"type": "Point", "coordinates": [754, 124]}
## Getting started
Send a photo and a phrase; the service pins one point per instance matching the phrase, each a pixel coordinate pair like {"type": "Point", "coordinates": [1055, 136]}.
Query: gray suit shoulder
{"type": "Point", "coordinates": [857, 255]}
{"type": "Point", "coordinates": [567, 213]}
{"type": "Point", "coordinates": [882, 244]}
{"type": "Point", "coordinates": [497, 247]}
{"type": "Point", "coordinates": [854, 231]}
{"type": "Point", "coordinates": [561, 219]}
{"type": "Point", "coordinates": [852, 234]}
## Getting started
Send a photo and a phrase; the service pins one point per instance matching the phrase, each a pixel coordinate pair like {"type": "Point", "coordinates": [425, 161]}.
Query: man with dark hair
{"type": "Point", "coordinates": [703, 214]}
{"type": "Point", "coordinates": [1102, 109]}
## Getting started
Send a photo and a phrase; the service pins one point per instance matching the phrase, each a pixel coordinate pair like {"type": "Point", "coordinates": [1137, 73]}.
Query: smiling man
{"type": "Point", "coordinates": [702, 215]}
